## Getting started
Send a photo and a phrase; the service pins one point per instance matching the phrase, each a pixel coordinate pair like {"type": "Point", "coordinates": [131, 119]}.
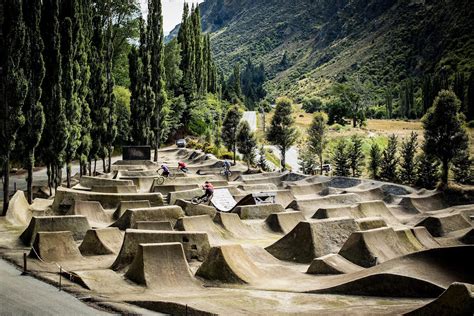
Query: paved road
{"type": "Point", "coordinates": [251, 118]}
{"type": "Point", "coordinates": [24, 295]}
{"type": "Point", "coordinates": [291, 157]}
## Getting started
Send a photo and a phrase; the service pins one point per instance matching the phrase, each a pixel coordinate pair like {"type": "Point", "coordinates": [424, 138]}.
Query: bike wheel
{"type": "Point", "coordinates": [159, 180]}
{"type": "Point", "coordinates": [196, 200]}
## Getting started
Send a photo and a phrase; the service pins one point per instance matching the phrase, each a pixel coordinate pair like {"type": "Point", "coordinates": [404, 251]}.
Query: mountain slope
{"type": "Point", "coordinates": [381, 42]}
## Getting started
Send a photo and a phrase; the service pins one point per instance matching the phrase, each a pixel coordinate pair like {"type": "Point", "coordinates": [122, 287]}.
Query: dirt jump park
{"type": "Point", "coordinates": [267, 243]}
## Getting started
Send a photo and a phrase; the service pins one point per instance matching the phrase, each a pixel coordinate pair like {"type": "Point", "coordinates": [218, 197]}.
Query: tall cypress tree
{"type": "Point", "coordinates": [198, 51]}
{"type": "Point", "coordinates": [186, 40]}
{"type": "Point", "coordinates": [458, 88]}
{"type": "Point", "coordinates": [470, 98]}
{"type": "Point", "coordinates": [30, 135]}
{"type": "Point", "coordinates": [15, 87]}
{"type": "Point", "coordinates": [136, 115]}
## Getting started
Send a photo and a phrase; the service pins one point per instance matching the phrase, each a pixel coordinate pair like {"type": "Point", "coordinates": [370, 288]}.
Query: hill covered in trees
{"type": "Point", "coordinates": [308, 45]}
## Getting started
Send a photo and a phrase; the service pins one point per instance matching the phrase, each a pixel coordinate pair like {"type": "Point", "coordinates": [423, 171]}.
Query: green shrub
{"type": "Point", "coordinates": [470, 124]}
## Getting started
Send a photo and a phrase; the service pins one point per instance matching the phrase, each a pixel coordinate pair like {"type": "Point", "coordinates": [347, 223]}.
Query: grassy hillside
{"type": "Point", "coordinates": [382, 42]}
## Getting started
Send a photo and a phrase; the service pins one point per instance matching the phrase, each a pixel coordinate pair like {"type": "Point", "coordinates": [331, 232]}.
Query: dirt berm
{"type": "Point", "coordinates": [284, 222]}
{"type": "Point", "coordinates": [161, 213]}
{"type": "Point", "coordinates": [195, 244]}
{"type": "Point", "coordinates": [76, 224]}
{"type": "Point", "coordinates": [92, 210]}
{"type": "Point", "coordinates": [161, 266]}
{"type": "Point", "coordinates": [103, 241]}
{"type": "Point", "coordinates": [55, 247]}
{"type": "Point", "coordinates": [312, 239]}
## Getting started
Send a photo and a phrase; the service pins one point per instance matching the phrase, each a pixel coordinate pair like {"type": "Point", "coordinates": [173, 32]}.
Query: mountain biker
{"type": "Point", "coordinates": [209, 190]}
{"type": "Point", "coordinates": [166, 170]}
{"type": "Point", "coordinates": [182, 167]}
{"type": "Point", "coordinates": [226, 165]}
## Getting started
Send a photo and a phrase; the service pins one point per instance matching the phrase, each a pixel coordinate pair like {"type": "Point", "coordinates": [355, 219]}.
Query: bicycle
{"type": "Point", "coordinates": [226, 173]}
{"type": "Point", "coordinates": [199, 199]}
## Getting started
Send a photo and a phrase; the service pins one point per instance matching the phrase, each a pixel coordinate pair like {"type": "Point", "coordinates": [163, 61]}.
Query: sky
{"type": "Point", "coordinates": [172, 12]}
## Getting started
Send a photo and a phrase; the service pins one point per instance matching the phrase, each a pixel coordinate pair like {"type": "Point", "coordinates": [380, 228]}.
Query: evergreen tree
{"type": "Point", "coordinates": [427, 171]}
{"type": "Point", "coordinates": [389, 102]}
{"type": "Point", "coordinates": [389, 163]}
{"type": "Point", "coordinates": [282, 133]}
{"type": "Point", "coordinates": [262, 161]}
{"type": "Point", "coordinates": [198, 52]}
{"type": "Point", "coordinates": [30, 135]}
{"type": "Point", "coordinates": [458, 89]}
{"type": "Point", "coordinates": [246, 143]}
{"type": "Point", "coordinates": [137, 115]}
{"type": "Point", "coordinates": [408, 165]}
{"type": "Point", "coordinates": [317, 138]}
{"type": "Point", "coordinates": [186, 40]}
{"type": "Point", "coordinates": [230, 129]}
{"type": "Point", "coordinates": [236, 84]}
{"type": "Point", "coordinates": [15, 87]}
{"type": "Point", "coordinates": [356, 156]}
{"type": "Point", "coordinates": [445, 135]}
{"type": "Point", "coordinates": [174, 74]}
{"type": "Point", "coordinates": [341, 159]}
{"type": "Point", "coordinates": [375, 161]}
{"type": "Point", "coordinates": [427, 93]}
{"type": "Point", "coordinates": [470, 98]}
{"type": "Point", "coordinates": [462, 168]}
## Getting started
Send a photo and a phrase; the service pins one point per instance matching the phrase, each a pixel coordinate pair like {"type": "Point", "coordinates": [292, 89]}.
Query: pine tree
{"type": "Point", "coordinates": [186, 40]}
{"type": "Point", "coordinates": [230, 129]}
{"type": "Point", "coordinates": [375, 161]}
{"type": "Point", "coordinates": [462, 168]}
{"type": "Point", "coordinates": [470, 98]}
{"type": "Point", "coordinates": [458, 89]}
{"type": "Point", "coordinates": [317, 136]}
{"type": "Point", "coordinates": [427, 171]}
{"type": "Point", "coordinates": [445, 135]}
{"type": "Point", "coordinates": [15, 87]}
{"type": "Point", "coordinates": [262, 161]}
{"type": "Point", "coordinates": [236, 84]}
{"type": "Point", "coordinates": [198, 51]}
{"type": "Point", "coordinates": [389, 102]}
{"type": "Point", "coordinates": [408, 165]}
{"type": "Point", "coordinates": [246, 143]}
{"type": "Point", "coordinates": [427, 93]}
{"type": "Point", "coordinates": [389, 163]}
{"type": "Point", "coordinates": [30, 135]}
{"type": "Point", "coordinates": [282, 133]}
{"type": "Point", "coordinates": [174, 74]}
{"type": "Point", "coordinates": [341, 159]}
{"type": "Point", "coordinates": [356, 156]}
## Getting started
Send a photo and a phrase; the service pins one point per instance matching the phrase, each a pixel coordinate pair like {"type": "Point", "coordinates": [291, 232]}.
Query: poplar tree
{"type": "Point", "coordinates": [246, 143]}
{"type": "Point", "coordinates": [341, 159]}
{"type": "Point", "coordinates": [282, 133]}
{"type": "Point", "coordinates": [317, 138]}
{"type": "Point", "coordinates": [30, 135]}
{"type": "Point", "coordinates": [136, 112]}
{"type": "Point", "coordinates": [186, 40]}
{"type": "Point", "coordinates": [389, 163]}
{"type": "Point", "coordinates": [230, 129]}
{"type": "Point", "coordinates": [427, 171]}
{"type": "Point", "coordinates": [198, 51]}
{"type": "Point", "coordinates": [356, 156]}
{"type": "Point", "coordinates": [408, 165]}
{"type": "Point", "coordinates": [375, 159]}
{"type": "Point", "coordinates": [15, 87]}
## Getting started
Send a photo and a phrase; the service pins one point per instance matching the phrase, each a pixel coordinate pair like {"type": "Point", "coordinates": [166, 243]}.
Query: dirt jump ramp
{"type": "Point", "coordinates": [217, 235]}
{"type": "Point", "coordinates": [76, 224]}
{"type": "Point", "coordinates": [260, 211]}
{"type": "Point", "coordinates": [165, 189]}
{"type": "Point", "coordinates": [183, 195]}
{"type": "Point", "coordinates": [191, 209]}
{"type": "Point", "coordinates": [309, 240]}
{"type": "Point", "coordinates": [230, 264]}
{"type": "Point", "coordinates": [371, 247]}
{"type": "Point", "coordinates": [55, 246]}
{"type": "Point", "coordinates": [161, 266]}
{"type": "Point", "coordinates": [161, 213]}
{"type": "Point", "coordinates": [415, 204]}
{"type": "Point", "coordinates": [332, 264]}
{"type": "Point", "coordinates": [458, 299]}
{"type": "Point", "coordinates": [93, 210]}
{"type": "Point", "coordinates": [115, 188]}
{"type": "Point", "coordinates": [103, 241]}
{"type": "Point", "coordinates": [424, 237]}
{"type": "Point", "coordinates": [441, 225]}
{"type": "Point", "coordinates": [89, 182]}
{"type": "Point", "coordinates": [195, 244]}
{"type": "Point", "coordinates": [125, 205]}
{"type": "Point", "coordinates": [154, 225]}
{"type": "Point", "coordinates": [309, 206]}
{"type": "Point", "coordinates": [284, 222]}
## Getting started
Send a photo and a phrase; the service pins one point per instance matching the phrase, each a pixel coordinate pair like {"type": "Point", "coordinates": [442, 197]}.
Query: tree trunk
{"type": "Point", "coordinates": [445, 172]}
{"type": "Point", "coordinates": [354, 122]}
{"type": "Point", "coordinates": [6, 183]}
{"type": "Point", "coordinates": [321, 164]}
{"type": "Point", "coordinates": [68, 174]}
{"type": "Point", "coordinates": [29, 181]}
{"type": "Point", "coordinates": [111, 149]}
{"type": "Point", "coordinates": [89, 166]}
{"type": "Point", "coordinates": [283, 159]}
{"type": "Point", "coordinates": [81, 168]}
{"type": "Point", "coordinates": [234, 150]}
{"type": "Point", "coordinates": [104, 167]}
{"type": "Point", "coordinates": [157, 140]}
{"type": "Point", "coordinates": [95, 165]}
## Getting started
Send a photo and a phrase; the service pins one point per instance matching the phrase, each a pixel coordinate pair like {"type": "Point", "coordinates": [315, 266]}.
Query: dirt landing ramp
{"type": "Point", "coordinates": [309, 240]}
{"type": "Point", "coordinates": [415, 204]}
{"type": "Point", "coordinates": [195, 244]}
{"type": "Point", "coordinates": [422, 274]}
{"type": "Point", "coordinates": [94, 212]}
{"type": "Point", "coordinates": [309, 206]}
{"type": "Point", "coordinates": [161, 267]}
{"type": "Point", "coordinates": [371, 247]}
{"type": "Point", "coordinates": [77, 224]}
{"type": "Point", "coordinates": [125, 205]}
{"type": "Point", "coordinates": [104, 241]}
{"type": "Point", "coordinates": [260, 211]}
{"type": "Point", "coordinates": [240, 230]}
{"type": "Point", "coordinates": [425, 238]}
{"type": "Point", "coordinates": [458, 299]}
{"type": "Point", "coordinates": [55, 247]}
{"type": "Point", "coordinates": [165, 189]}
{"type": "Point", "coordinates": [230, 264]}
{"type": "Point", "coordinates": [441, 225]}
{"type": "Point", "coordinates": [203, 223]}
{"type": "Point", "coordinates": [154, 225]}
{"type": "Point", "coordinates": [193, 210]}
{"type": "Point", "coordinates": [332, 264]}
{"type": "Point", "coordinates": [161, 213]}
{"type": "Point", "coordinates": [284, 222]}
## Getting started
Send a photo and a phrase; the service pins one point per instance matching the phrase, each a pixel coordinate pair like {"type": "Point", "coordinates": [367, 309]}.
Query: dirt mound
{"type": "Point", "coordinates": [55, 246]}
{"type": "Point", "coordinates": [195, 244]}
{"type": "Point", "coordinates": [441, 225]}
{"type": "Point", "coordinates": [154, 225]}
{"type": "Point", "coordinates": [125, 205]}
{"type": "Point", "coordinates": [371, 247]}
{"type": "Point", "coordinates": [203, 223]}
{"type": "Point", "coordinates": [299, 190]}
{"type": "Point", "coordinates": [332, 264]}
{"type": "Point", "coordinates": [309, 240]}
{"type": "Point", "coordinates": [309, 206]}
{"type": "Point", "coordinates": [161, 266]}
{"type": "Point", "coordinates": [19, 212]}
{"type": "Point", "coordinates": [104, 241]}
{"type": "Point", "coordinates": [458, 299]}
{"type": "Point", "coordinates": [161, 213]}
{"type": "Point", "coordinates": [191, 209]}
{"type": "Point", "coordinates": [284, 222]}
{"type": "Point", "coordinates": [76, 224]}
{"type": "Point", "coordinates": [260, 211]}
{"type": "Point", "coordinates": [93, 210]}
{"type": "Point", "coordinates": [230, 264]}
